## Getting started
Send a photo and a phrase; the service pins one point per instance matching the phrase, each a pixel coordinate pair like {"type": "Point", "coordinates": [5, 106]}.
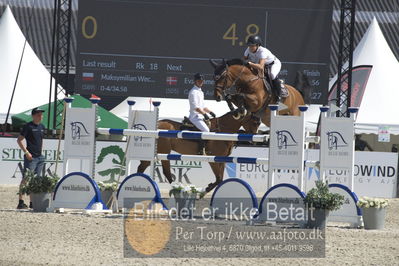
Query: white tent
{"type": "Point", "coordinates": [379, 104]}
{"type": "Point", "coordinates": [33, 80]}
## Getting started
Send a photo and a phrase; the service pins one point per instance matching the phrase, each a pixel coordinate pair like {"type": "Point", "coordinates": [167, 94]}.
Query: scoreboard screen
{"type": "Point", "coordinates": [153, 48]}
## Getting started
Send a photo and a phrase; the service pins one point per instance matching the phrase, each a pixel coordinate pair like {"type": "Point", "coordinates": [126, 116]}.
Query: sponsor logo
{"type": "Point", "coordinates": [231, 169]}
{"type": "Point", "coordinates": [75, 188]}
{"type": "Point", "coordinates": [285, 139]}
{"type": "Point", "coordinates": [78, 130]}
{"type": "Point", "coordinates": [335, 140]}
{"type": "Point", "coordinates": [138, 188]}
{"type": "Point", "coordinates": [139, 127]}
{"type": "Point", "coordinates": [116, 155]}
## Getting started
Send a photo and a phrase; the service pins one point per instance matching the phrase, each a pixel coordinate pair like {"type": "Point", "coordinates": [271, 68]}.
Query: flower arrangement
{"type": "Point", "coordinates": [38, 184]}
{"type": "Point", "coordinates": [366, 202]}
{"type": "Point", "coordinates": [178, 189]}
{"type": "Point", "coordinates": [111, 186]}
{"type": "Point", "coordinates": [320, 197]}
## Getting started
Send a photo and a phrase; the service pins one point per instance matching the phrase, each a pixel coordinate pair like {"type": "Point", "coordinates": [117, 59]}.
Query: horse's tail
{"type": "Point", "coordinates": [302, 83]}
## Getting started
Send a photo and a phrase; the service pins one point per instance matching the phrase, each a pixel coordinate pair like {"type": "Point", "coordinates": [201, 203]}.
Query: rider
{"type": "Point", "coordinates": [198, 111]}
{"type": "Point", "coordinates": [259, 57]}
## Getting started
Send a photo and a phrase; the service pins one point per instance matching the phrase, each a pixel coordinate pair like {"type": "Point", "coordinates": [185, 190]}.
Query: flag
{"type": "Point", "coordinates": [86, 76]}
{"type": "Point", "coordinates": [171, 80]}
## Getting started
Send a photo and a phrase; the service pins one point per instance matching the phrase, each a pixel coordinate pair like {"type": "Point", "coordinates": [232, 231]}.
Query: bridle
{"type": "Point", "coordinates": [225, 74]}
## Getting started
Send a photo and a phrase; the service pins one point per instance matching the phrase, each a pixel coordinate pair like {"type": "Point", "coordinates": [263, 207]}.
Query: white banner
{"type": "Point", "coordinates": [375, 172]}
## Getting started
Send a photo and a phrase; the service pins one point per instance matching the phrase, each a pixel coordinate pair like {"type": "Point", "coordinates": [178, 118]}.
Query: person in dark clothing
{"type": "Point", "coordinates": [32, 133]}
{"type": "Point", "coordinates": [361, 145]}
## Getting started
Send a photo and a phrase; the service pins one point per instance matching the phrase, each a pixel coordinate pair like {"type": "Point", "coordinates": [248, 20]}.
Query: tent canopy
{"type": "Point", "coordinates": [33, 83]}
{"type": "Point", "coordinates": [105, 118]}
{"type": "Point", "coordinates": [379, 104]}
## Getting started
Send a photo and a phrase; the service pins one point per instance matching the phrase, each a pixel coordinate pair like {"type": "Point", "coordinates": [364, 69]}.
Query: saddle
{"type": "Point", "coordinates": [187, 125]}
{"type": "Point", "coordinates": [269, 84]}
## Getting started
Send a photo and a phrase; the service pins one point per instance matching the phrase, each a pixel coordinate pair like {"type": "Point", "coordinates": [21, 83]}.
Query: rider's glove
{"type": "Point", "coordinates": [212, 114]}
{"type": "Point", "coordinates": [206, 117]}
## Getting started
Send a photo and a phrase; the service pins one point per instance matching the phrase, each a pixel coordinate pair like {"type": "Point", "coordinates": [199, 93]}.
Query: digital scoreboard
{"type": "Point", "coordinates": [153, 48]}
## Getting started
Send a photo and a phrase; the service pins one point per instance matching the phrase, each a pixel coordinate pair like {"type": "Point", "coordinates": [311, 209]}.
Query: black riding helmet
{"type": "Point", "coordinates": [198, 76]}
{"type": "Point", "coordinates": [254, 40]}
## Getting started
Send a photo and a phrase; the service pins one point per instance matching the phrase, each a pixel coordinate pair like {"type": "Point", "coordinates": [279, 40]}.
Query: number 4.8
{"type": "Point", "coordinates": [231, 33]}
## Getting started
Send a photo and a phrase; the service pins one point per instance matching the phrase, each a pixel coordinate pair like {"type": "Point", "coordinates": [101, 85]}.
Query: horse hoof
{"type": "Point", "coordinates": [236, 116]}
{"type": "Point", "coordinates": [209, 187]}
{"type": "Point", "coordinates": [243, 112]}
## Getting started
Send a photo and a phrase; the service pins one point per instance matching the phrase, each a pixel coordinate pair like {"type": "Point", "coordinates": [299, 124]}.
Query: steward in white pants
{"type": "Point", "coordinates": [198, 111]}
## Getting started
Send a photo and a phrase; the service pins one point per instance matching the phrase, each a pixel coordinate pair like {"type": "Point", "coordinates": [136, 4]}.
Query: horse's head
{"type": "Point", "coordinates": [221, 79]}
{"type": "Point", "coordinates": [225, 76]}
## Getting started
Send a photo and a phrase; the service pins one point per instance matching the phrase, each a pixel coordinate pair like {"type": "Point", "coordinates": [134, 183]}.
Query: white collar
{"type": "Point", "coordinates": [197, 88]}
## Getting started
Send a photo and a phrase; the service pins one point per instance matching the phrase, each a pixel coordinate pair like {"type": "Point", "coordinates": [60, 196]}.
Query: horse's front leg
{"type": "Point", "coordinates": [228, 99]}
{"type": "Point", "coordinates": [239, 101]}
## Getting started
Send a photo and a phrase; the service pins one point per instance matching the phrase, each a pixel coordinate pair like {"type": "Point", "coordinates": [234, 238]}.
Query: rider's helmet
{"type": "Point", "coordinates": [254, 40]}
{"type": "Point", "coordinates": [198, 76]}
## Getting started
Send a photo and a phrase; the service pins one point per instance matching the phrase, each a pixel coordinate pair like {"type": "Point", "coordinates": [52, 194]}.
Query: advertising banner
{"type": "Point", "coordinates": [375, 172]}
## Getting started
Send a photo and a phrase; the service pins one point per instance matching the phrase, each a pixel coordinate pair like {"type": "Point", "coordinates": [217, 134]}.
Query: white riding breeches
{"type": "Point", "coordinates": [199, 122]}
{"type": "Point", "coordinates": [275, 69]}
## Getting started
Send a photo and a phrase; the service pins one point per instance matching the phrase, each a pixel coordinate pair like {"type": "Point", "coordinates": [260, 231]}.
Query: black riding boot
{"type": "Point", "coordinates": [277, 89]}
{"type": "Point", "coordinates": [202, 147]}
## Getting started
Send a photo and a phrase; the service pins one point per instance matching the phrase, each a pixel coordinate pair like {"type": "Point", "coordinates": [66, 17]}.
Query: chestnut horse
{"type": "Point", "coordinates": [251, 94]}
{"type": "Point", "coordinates": [225, 124]}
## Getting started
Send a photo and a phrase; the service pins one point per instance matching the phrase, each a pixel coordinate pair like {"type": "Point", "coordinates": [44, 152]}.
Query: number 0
{"type": "Point", "coordinates": [94, 21]}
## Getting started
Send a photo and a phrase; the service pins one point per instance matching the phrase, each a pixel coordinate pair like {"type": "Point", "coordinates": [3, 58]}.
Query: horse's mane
{"type": "Point", "coordinates": [231, 62]}
{"type": "Point", "coordinates": [235, 61]}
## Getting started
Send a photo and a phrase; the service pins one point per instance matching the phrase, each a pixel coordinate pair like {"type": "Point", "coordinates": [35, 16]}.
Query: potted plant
{"type": "Point", "coordinates": [40, 189]}
{"type": "Point", "coordinates": [374, 211]}
{"type": "Point", "coordinates": [320, 201]}
{"type": "Point", "coordinates": [185, 197]}
{"type": "Point", "coordinates": [107, 189]}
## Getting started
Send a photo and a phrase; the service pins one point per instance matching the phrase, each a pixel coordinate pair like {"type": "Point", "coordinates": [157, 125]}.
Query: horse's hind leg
{"type": "Point", "coordinates": [166, 171]}
{"type": "Point", "coordinates": [218, 170]}
{"type": "Point", "coordinates": [143, 165]}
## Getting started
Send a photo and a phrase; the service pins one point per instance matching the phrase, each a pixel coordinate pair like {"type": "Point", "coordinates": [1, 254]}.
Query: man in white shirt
{"type": "Point", "coordinates": [198, 111]}
{"type": "Point", "coordinates": [259, 57]}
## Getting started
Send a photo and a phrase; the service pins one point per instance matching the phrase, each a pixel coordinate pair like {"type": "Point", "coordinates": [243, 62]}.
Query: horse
{"type": "Point", "coordinates": [251, 93]}
{"type": "Point", "coordinates": [226, 124]}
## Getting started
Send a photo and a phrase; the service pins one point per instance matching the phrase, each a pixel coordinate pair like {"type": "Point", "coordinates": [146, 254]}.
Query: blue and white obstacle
{"type": "Point", "coordinates": [184, 134]}
{"type": "Point", "coordinates": [286, 153]}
